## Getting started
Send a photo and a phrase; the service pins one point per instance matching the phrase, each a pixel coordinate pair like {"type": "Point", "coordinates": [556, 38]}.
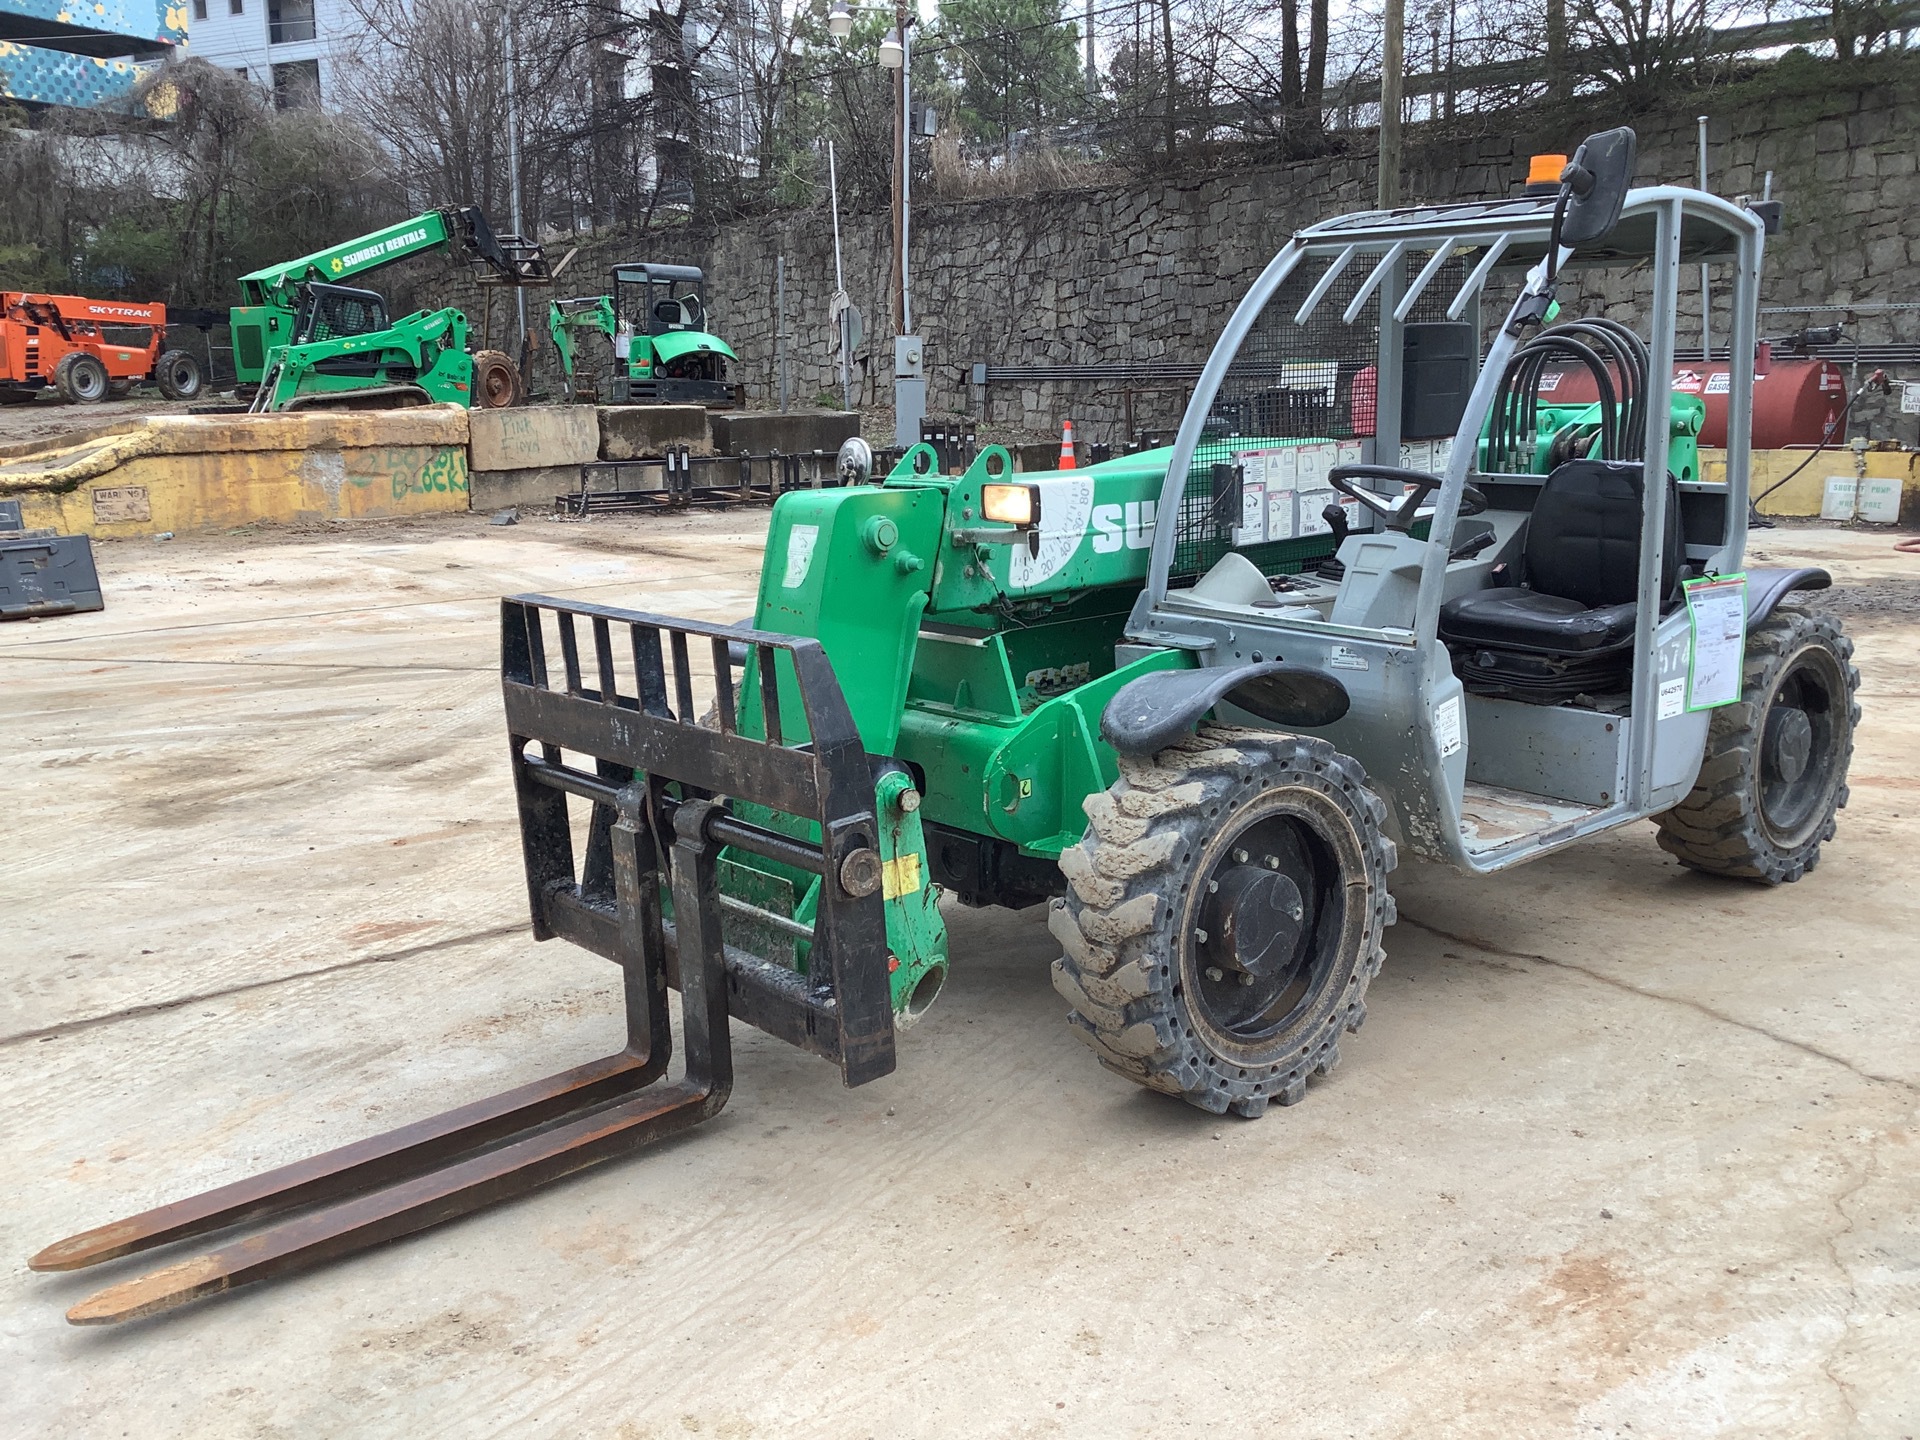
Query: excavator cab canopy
{"type": "Point", "coordinates": [660, 299]}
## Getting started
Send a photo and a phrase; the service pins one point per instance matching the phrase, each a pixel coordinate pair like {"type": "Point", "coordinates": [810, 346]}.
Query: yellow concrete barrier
{"type": "Point", "coordinates": [1803, 493]}
{"type": "Point", "coordinates": [207, 472]}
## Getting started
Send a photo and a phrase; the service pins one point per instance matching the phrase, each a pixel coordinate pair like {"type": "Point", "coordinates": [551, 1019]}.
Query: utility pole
{"type": "Point", "coordinates": [1559, 82]}
{"type": "Point", "coordinates": [513, 180]}
{"type": "Point", "coordinates": [1392, 78]}
{"type": "Point", "coordinates": [1166, 30]}
{"type": "Point", "coordinates": [1093, 76]}
{"type": "Point", "coordinates": [1093, 88]}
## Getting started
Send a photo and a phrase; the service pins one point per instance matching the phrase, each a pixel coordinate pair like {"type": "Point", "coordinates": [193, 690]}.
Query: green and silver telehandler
{"type": "Point", "coordinates": [304, 339]}
{"type": "Point", "coordinates": [1376, 597]}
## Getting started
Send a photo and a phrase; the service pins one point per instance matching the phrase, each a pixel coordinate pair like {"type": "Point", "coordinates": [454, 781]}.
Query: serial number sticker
{"type": "Point", "coordinates": [1673, 697]}
{"type": "Point", "coordinates": [900, 876]}
{"type": "Point", "coordinates": [1344, 659]}
{"type": "Point", "coordinates": [1446, 726]}
{"type": "Point", "coordinates": [800, 543]}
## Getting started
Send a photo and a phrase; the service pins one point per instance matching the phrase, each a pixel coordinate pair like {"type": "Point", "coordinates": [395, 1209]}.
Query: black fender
{"type": "Point", "coordinates": [1765, 588]}
{"type": "Point", "coordinates": [1148, 714]}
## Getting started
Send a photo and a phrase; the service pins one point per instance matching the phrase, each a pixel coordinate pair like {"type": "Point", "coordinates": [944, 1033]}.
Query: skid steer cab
{"type": "Point", "coordinates": [1384, 592]}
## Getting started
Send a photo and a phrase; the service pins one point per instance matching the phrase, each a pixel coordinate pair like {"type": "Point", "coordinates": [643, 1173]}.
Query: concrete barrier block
{"type": "Point", "coordinates": [754, 432]}
{"type": "Point", "coordinates": [533, 437]}
{"type": "Point", "coordinates": [635, 432]}
{"type": "Point", "coordinates": [534, 487]}
{"type": "Point", "coordinates": [192, 472]}
{"type": "Point", "coordinates": [307, 430]}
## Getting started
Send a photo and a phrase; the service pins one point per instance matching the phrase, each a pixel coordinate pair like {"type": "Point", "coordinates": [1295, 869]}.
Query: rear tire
{"type": "Point", "coordinates": [81, 378]}
{"type": "Point", "coordinates": [496, 381]}
{"type": "Point", "coordinates": [119, 389]}
{"type": "Point", "coordinates": [1775, 770]}
{"type": "Point", "coordinates": [1223, 916]}
{"type": "Point", "coordinates": [178, 375]}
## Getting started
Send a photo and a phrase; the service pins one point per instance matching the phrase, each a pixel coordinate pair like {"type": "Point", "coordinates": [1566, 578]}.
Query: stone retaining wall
{"type": "Point", "coordinates": [1151, 272]}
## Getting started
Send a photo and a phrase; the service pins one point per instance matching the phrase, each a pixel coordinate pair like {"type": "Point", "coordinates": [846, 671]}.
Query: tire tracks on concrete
{"type": "Point", "coordinates": [160, 1007]}
{"type": "Point", "coordinates": [1614, 982]}
{"type": "Point", "coordinates": [492, 597]}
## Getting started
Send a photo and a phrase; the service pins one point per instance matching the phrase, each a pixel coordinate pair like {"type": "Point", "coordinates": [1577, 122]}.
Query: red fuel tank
{"type": "Point", "coordinates": [1794, 401]}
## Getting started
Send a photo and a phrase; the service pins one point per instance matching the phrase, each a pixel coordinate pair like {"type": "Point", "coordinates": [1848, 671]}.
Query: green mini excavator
{"type": "Point", "coordinates": [663, 353]}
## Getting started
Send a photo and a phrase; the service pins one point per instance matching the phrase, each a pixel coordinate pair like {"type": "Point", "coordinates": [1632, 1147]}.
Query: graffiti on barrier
{"type": "Point", "coordinates": [413, 469]}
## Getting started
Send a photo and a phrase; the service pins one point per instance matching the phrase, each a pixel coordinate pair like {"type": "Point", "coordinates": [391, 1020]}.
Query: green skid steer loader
{"type": "Point", "coordinates": [303, 340]}
{"type": "Point", "coordinates": [1376, 597]}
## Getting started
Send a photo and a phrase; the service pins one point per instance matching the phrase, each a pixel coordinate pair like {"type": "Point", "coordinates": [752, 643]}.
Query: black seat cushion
{"type": "Point", "coordinates": [1583, 538]}
{"type": "Point", "coordinates": [1517, 619]}
{"type": "Point", "coordinates": [1582, 568]}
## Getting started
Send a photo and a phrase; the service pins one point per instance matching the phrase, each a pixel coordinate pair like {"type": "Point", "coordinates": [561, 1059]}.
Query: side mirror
{"type": "Point", "coordinates": [1597, 179]}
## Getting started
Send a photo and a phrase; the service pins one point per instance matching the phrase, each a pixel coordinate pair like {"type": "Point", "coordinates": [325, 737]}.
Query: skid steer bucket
{"type": "Point", "coordinates": [615, 729]}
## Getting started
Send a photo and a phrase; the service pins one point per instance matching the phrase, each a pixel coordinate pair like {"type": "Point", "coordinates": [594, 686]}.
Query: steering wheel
{"type": "Point", "coordinates": [1399, 514]}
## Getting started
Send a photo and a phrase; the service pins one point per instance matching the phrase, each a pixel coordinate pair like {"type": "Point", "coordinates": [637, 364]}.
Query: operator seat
{"type": "Point", "coordinates": [1566, 630]}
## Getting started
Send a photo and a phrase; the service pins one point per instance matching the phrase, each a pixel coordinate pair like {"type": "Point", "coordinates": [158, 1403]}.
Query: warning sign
{"type": "Point", "coordinates": [120, 504]}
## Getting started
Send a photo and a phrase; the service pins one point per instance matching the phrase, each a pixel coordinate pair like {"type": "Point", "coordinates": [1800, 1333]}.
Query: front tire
{"type": "Point", "coordinates": [1224, 916]}
{"type": "Point", "coordinates": [178, 376]}
{"type": "Point", "coordinates": [1775, 771]}
{"type": "Point", "coordinates": [81, 378]}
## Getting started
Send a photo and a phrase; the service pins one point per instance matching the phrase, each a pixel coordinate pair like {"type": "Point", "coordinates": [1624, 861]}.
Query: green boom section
{"type": "Point", "coordinates": [1574, 430]}
{"type": "Point", "coordinates": [279, 284]}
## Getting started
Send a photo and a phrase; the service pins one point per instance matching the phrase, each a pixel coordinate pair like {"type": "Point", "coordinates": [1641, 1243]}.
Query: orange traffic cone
{"type": "Point", "coordinates": [1066, 445]}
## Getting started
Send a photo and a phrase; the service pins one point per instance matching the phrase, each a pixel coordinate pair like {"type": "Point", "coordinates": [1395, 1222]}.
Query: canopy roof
{"type": "Point", "coordinates": [1710, 227]}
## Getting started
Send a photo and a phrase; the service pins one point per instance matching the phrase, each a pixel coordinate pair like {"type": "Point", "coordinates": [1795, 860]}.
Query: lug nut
{"type": "Point", "coordinates": [1214, 972]}
{"type": "Point", "coordinates": [1245, 979]}
{"type": "Point", "coordinates": [1213, 887]}
{"type": "Point", "coordinates": [1200, 936]}
{"type": "Point", "coordinates": [1272, 862]}
{"type": "Point", "coordinates": [1239, 857]}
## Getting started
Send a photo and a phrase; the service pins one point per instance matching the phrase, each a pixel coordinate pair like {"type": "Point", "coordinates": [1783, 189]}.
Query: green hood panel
{"type": "Point", "coordinates": [676, 343]}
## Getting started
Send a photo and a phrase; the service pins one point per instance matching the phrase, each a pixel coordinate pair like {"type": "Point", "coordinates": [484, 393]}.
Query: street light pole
{"type": "Point", "coordinates": [909, 368]}
{"type": "Point", "coordinates": [903, 167]}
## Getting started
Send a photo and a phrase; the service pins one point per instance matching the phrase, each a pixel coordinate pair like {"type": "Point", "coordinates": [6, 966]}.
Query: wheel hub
{"type": "Point", "coordinates": [1252, 918]}
{"type": "Point", "coordinates": [1789, 743]}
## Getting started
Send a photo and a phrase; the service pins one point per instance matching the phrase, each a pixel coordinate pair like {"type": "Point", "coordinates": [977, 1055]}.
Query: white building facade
{"type": "Point", "coordinates": [285, 46]}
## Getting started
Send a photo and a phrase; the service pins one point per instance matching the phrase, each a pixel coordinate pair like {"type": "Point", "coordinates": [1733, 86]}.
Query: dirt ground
{"type": "Point", "coordinates": [1622, 1151]}
{"type": "Point", "coordinates": [49, 419]}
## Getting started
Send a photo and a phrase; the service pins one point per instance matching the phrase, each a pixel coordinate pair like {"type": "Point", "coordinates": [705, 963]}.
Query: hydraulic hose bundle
{"type": "Point", "coordinates": [1617, 360]}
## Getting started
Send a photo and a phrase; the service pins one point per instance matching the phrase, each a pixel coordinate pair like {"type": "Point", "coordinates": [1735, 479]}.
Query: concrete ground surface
{"type": "Point", "coordinates": [1622, 1151]}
